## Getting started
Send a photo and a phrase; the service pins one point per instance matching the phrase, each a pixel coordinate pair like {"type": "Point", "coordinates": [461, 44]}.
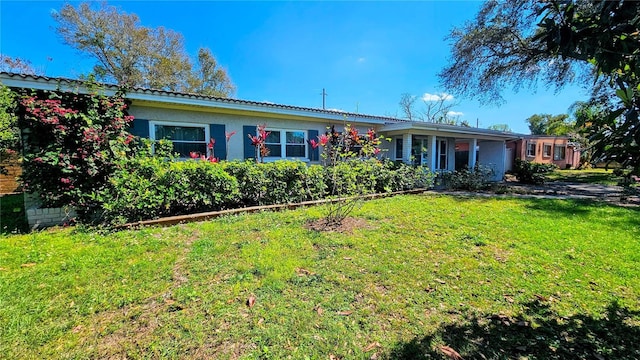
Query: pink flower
{"type": "Point", "coordinates": [212, 142]}
{"type": "Point", "coordinates": [213, 159]}
{"type": "Point", "coordinates": [193, 155]}
{"type": "Point", "coordinates": [376, 151]}
{"type": "Point", "coordinates": [324, 139]}
{"type": "Point", "coordinates": [228, 135]}
{"type": "Point", "coordinates": [314, 144]}
{"type": "Point", "coordinates": [203, 157]}
{"type": "Point", "coordinates": [255, 140]}
{"type": "Point", "coordinates": [65, 181]}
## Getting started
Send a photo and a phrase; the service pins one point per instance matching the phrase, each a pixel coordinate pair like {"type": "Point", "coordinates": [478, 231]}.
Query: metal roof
{"type": "Point", "coordinates": [191, 99]}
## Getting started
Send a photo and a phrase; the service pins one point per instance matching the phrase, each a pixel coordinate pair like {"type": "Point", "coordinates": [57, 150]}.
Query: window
{"type": "Point", "coordinates": [559, 152]}
{"type": "Point", "coordinates": [546, 150]}
{"type": "Point", "coordinates": [399, 149]}
{"type": "Point", "coordinates": [531, 149]}
{"type": "Point", "coordinates": [287, 143]}
{"type": "Point", "coordinates": [441, 154]}
{"type": "Point", "coordinates": [186, 138]}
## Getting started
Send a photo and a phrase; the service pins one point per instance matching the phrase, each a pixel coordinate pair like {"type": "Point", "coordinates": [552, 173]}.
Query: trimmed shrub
{"type": "Point", "coordinates": [466, 179]}
{"type": "Point", "coordinates": [151, 187]}
{"type": "Point", "coordinates": [528, 172]}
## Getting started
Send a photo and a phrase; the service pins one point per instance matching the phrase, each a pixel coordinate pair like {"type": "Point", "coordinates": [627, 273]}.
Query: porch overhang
{"type": "Point", "coordinates": [445, 130]}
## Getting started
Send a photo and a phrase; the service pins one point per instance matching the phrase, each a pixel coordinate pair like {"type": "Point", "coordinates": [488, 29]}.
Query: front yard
{"type": "Point", "coordinates": [489, 278]}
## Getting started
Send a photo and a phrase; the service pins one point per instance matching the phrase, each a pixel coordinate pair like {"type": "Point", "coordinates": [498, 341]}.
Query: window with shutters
{"type": "Point", "coordinates": [186, 138]}
{"type": "Point", "coordinates": [286, 143]}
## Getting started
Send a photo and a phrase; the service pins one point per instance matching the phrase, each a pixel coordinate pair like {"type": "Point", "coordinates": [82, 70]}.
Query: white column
{"type": "Point", "coordinates": [451, 154]}
{"type": "Point", "coordinates": [472, 152]}
{"type": "Point", "coordinates": [433, 146]}
{"type": "Point", "coordinates": [406, 148]}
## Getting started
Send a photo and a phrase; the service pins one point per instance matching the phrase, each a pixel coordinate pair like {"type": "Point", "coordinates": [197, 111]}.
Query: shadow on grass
{"type": "Point", "coordinates": [13, 219]}
{"type": "Point", "coordinates": [538, 334]}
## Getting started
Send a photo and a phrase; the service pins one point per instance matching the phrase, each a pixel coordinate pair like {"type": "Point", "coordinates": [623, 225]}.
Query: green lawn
{"type": "Point", "coordinates": [490, 278]}
{"type": "Point", "coordinates": [591, 176]}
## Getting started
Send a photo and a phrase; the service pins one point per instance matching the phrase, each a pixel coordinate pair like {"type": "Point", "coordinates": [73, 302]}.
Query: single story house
{"type": "Point", "coordinates": [546, 149]}
{"type": "Point", "coordinates": [190, 120]}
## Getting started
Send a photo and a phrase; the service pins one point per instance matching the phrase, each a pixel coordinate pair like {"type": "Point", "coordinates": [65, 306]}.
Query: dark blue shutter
{"type": "Point", "coordinates": [140, 127]}
{"type": "Point", "coordinates": [249, 149]}
{"type": "Point", "coordinates": [314, 154]}
{"type": "Point", "coordinates": [217, 132]}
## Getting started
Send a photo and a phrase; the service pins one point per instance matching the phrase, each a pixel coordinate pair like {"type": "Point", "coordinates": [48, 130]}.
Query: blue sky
{"type": "Point", "coordinates": [365, 54]}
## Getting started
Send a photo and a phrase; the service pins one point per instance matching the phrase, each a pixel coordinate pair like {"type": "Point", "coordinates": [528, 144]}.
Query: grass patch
{"type": "Point", "coordinates": [590, 176]}
{"type": "Point", "coordinates": [492, 278]}
{"type": "Point", "coordinates": [12, 215]}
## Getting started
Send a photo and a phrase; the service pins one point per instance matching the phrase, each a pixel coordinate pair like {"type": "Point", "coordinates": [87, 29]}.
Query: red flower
{"type": "Point", "coordinates": [212, 142]}
{"type": "Point", "coordinates": [324, 139]}
{"type": "Point", "coordinates": [228, 135]}
{"type": "Point", "coordinates": [65, 181]}
{"type": "Point", "coordinates": [255, 140]}
{"type": "Point", "coordinates": [213, 160]}
{"type": "Point", "coordinates": [371, 134]}
{"type": "Point", "coordinates": [376, 151]}
{"type": "Point", "coordinates": [203, 158]}
{"type": "Point", "coordinates": [193, 154]}
{"type": "Point", "coordinates": [314, 144]}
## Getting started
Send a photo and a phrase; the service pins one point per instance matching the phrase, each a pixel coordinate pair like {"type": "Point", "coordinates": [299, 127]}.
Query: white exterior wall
{"type": "Point", "coordinates": [234, 123]}
{"type": "Point", "coordinates": [492, 154]}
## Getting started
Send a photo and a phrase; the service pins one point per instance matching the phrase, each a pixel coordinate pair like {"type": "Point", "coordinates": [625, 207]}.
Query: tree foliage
{"type": "Point", "coordinates": [17, 65]}
{"type": "Point", "coordinates": [546, 124]}
{"type": "Point", "coordinates": [520, 42]}
{"type": "Point", "coordinates": [500, 127]}
{"type": "Point", "coordinates": [134, 55]}
{"type": "Point", "coordinates": [437, 109]}
{"type": "Point", "coordinates": [9, 132]}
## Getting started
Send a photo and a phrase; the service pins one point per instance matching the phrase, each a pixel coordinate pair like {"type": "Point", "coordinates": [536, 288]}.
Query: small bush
{"type": "Point", "coordinates": [466, 179]}
{"type": "Point", "coordinates": [528, 172]}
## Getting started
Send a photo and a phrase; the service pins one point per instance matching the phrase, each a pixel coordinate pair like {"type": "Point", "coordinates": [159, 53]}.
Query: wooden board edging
{"type": "Point", "coordinates": [179, 219]}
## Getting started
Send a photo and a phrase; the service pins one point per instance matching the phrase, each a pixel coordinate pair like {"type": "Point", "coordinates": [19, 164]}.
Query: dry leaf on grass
{"type": "Point", "coordinates": [303, 272]}
{"type": "Point", "coordinates": [371, 346]}
{"type": "Point", "coordinates": [28, 265]}
{"type": "Point", "coordinates": [450, 353]}
{"type": "Point", "coordinates": [319, 310]}
{"type": "Point", "coordinates": [345, 313]}
{"type": "Point", "coordinates": [251, 301]}
{"type": "Point", "coordinates": [440, 281]}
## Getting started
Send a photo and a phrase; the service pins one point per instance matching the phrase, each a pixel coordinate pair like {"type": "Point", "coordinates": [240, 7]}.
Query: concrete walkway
{"type": "Point", "coordinates": [563, 190]}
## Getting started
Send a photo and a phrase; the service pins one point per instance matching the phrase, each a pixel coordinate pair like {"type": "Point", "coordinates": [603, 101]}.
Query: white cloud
{"type": "Point", "coordinates": [437, 97]}
{"type": "Point", "coordinates": [455, 113]}
{"type": "Point", "coordinates": [361, 60]}
{"type": "Point", "coordinates": [336, 110]}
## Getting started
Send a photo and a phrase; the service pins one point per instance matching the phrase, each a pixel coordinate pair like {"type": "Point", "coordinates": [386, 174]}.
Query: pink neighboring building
{"type": "Point", "coordinates": [546, 149]}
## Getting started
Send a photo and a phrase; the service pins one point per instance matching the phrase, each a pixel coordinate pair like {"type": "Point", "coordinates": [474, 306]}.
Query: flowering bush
{"type": "Point", "coordinates": [73, 144]}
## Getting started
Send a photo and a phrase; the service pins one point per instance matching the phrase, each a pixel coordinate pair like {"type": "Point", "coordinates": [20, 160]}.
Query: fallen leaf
{"type": "Point", "coordinates": [440, 281]}
{"type": "Point", "coordinates": [371, 346]}
{"type": "Point", "coordinates": [508, 298]}
{"type": "Point", "coordinates": [429, 289]}
{"type": "Point", "coordinates": [302, 272]}
{"type": "Point", "coordinates": [2, 269]}
{"type": "Point", "coordinates": [374, 356]}
{"type": "Point", "coordinates": [347, 258]}
{"type": "Point", "coordinates": [345, 313]}
{"type": "Point", "coordinates": [541, 298]}
{"type": "Point", "coordinates": [450, 353]}
{"type": "Point", "coordinates": [251, 301]}
{"type": "Point", "coordinates": [77, 329]}
{"type": "Point", "coordinates": [28, 265]}
{"type": "Point", "coordinates": [319, 311]}
{"type": "Point", "coordinates": [260, 321]}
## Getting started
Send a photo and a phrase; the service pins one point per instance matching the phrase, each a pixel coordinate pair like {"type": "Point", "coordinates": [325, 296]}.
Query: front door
{"type": "Point", "coordinates": [419, 151]}
{"type": "Point", "coordinates": [441, 154]}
